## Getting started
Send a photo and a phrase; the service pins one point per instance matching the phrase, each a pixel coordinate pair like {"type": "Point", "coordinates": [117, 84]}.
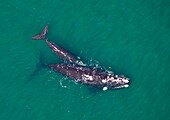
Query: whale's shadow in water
{"type": "Point", "coordinates": [38, 68]}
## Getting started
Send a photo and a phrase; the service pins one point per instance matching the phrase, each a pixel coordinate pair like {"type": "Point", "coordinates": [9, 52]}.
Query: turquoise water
{"type": "Point", "coordinates": [132, 37]}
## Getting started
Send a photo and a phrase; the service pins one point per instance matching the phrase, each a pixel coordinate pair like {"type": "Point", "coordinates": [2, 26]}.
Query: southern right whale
{"type": "Point", "coordinates": [58, 50]}
{"type": "Point", "coordinates": [80, 72]}
{"type": "Point", "coordinates": [91, 76]}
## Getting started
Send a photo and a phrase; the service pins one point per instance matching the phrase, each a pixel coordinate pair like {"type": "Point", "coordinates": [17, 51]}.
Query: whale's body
{"type": "Point", "coordinates": [90, 76]}
{"type": "Point", "coordinates": [80, 72]}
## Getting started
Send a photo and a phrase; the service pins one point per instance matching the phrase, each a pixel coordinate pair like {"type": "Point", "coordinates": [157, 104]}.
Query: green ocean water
{"type": "Point", "coordinates": [127, 37]}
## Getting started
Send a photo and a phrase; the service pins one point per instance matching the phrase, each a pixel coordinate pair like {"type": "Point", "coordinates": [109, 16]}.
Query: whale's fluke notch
{"type": "Point", "coordinates": [42, 35]}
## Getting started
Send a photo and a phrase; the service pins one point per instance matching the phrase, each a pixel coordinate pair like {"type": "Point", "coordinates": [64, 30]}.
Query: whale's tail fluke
{"type": "Point", "coordinates": [42, 35]}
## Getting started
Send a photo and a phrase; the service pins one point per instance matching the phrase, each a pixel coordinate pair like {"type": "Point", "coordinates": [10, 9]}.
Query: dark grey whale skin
{"type": "Point", "coordinates": [77, 73]}
{"type": "Point", "coordinates": [88, 76]}
{"type": "Point", "coordinates": [80, 72]}
{"type": "Point", "coordinates": [61, 52]}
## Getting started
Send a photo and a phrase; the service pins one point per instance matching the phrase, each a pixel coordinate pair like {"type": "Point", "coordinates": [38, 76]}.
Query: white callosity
{"type": "Point", "coordinates": [87, 77]}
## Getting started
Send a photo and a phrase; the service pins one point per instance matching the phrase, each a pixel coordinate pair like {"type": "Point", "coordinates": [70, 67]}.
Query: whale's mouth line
{"type": "Point", "coordinates": [116, 82]}
{"type": "Point", "coordinates": [123, 86]}
{"type": "Point", "coordinates": [116, 87]}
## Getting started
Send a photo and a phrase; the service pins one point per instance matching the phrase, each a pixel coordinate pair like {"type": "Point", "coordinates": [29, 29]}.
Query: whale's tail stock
{"type": "Point", "coordinates": [42, 35]}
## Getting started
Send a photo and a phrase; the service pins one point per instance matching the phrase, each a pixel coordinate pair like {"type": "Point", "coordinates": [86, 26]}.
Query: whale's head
{"type": "Point", "coordinates": [116, 82]}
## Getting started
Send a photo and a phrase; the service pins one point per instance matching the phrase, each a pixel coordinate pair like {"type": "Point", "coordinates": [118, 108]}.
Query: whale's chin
{"type": "Point", "coordinates": [122, 86]}
{"type": "Point", "coordinates": [120, 83]}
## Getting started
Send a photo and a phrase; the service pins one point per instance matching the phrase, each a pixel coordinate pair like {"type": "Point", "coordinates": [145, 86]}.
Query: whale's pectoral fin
{"type": "Point", "coordinates": [105, 88]}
